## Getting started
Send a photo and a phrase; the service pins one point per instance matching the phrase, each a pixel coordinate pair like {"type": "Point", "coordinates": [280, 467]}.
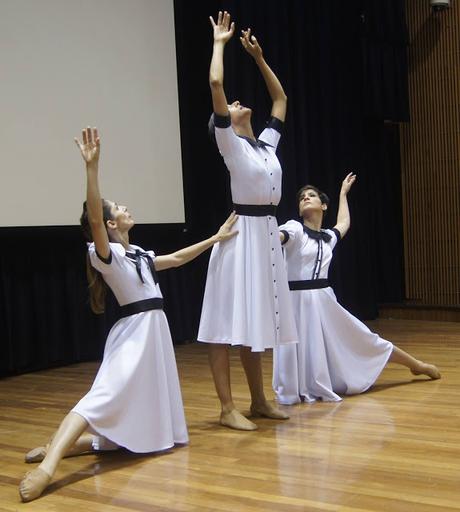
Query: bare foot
{"type": "Point", "coordinates": [36, 454]}
{"type": "Point", "coordinates": [234, 419]}
{"type": "Point", "coordinates": [427, 369]}
{"type": "Point", "coordinates": [268, 410]}
{"type": "Point", "coordinates": [33, 484]}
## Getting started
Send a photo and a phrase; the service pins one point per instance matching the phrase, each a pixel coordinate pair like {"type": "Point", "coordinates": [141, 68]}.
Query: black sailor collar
{"type": "Point", "coordinates": [317, 235]}
{"type": "Point", "coordinates": [255, 143]}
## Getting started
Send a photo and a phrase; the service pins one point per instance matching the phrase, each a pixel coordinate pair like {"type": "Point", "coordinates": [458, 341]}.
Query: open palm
{"type": "Point", "coordinates": [223, 29]}
{"type": "Point", "coordinates": [90, 147]}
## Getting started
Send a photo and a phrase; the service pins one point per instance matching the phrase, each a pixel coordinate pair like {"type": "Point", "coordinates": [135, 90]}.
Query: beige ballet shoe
{"type": "Point", "coordinates": [36, 454]}
{"type": "Point", "coordinates": [267, 410]}
{"type": "Point", "coordinates": [33, 484]}
{"type": "Point", "coordinates": [427, 369]}
{"type": "Point", "coordinates": [234, 419]}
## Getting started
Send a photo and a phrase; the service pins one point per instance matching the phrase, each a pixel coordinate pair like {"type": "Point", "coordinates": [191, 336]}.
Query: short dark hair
{"type": "Point", "coordinates": [322, 196]}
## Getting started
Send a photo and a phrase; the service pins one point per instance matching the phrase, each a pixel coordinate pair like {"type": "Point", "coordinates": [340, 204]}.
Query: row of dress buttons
{"type": "Point", "coordinates": [273, 268]}
{"type": "Point", "coordinates": [271, 174]}
{"type": "Point", "coordinates": [274, 280]}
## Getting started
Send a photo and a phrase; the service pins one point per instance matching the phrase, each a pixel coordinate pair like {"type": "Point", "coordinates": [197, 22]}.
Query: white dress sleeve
{"type": "Point", "coordinates": [292, 231]}
{"type": "Point", "coordinates": [105, 266]}
{"type": "Point", "coordinates": [335, 237]}
{"type": "Point", "coordinates": [227, 140]}
{"type": "Point", "coordinates": [272, 133]}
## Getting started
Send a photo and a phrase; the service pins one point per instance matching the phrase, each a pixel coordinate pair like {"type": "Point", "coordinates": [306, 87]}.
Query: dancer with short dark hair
{"type": "Point", "coordinates": [336, 354]}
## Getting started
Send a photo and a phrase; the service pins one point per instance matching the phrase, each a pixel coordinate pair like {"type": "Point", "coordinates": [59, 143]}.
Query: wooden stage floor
{"type": "Point", "coordinates": [394, 448]}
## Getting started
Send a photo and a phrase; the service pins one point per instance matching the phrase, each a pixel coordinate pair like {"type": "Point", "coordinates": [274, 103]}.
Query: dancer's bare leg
{"type": "Point", "coordinates": [220, 368]}
{"type": "Point", "coordinates": [252, 364]}
{"type": "Point", "coordinates": [84, 444]}
{"type": "Point", "coordinates": [416, 367]}
{"type": "Point", "coordinates": [36, 481]}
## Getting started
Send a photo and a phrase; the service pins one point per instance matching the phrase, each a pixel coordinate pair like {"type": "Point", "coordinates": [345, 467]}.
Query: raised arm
{"type": "Point", "coordinates": [223, 31]}
{"type": "Point", "coordinates": [90, 149]}
{"type": "Point", "coordinates": [178, 258]}
{"type": "Point", "coordinates": [275, 89]}
{"type": "Point", "coordinates": [343, 214]}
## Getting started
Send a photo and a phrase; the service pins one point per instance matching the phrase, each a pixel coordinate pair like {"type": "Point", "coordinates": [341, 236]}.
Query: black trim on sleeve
{"type": "Point", "coordinates": [276, 124]}
{"type": "Point", "coordinates": [337, 232]}
{"type": "Point", "coordinates": [107, 260]}
{"type": "Point", "coordinates": [222, 121]}
{"type": "Point", "coordinates": [286, 236]}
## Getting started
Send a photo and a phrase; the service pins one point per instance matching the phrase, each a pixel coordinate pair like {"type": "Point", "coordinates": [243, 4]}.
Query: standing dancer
{"type": "Point", "coordinates": [135, 401]}
{"type": "Point", "coordinates": [246, 300]}
{"type": "Point", "coordinates": [336, 353]}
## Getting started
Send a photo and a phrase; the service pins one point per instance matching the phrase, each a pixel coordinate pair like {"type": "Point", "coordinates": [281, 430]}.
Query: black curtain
{"type": "Point", "coordinates": [344, 69]}
{"type": "Point", "coordinates": [343, 66]}
{"type": "Point", "coordinates": [45, 319]}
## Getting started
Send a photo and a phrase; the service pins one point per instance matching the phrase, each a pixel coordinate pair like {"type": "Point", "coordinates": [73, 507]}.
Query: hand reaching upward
{"type": "Point", "coordinates": [347, 183]}
{"type": "Point", "coordinates": [250, 44]}
{"type": "Point", "coordinates": [223, 29]}
{"type": "Point", "coordinates": [90, 147]}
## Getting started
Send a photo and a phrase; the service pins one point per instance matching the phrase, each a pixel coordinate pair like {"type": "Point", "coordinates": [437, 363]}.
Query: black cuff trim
{"type": "Point", "coordinates": [107, 260]}
{"type": "Point", "coordinates": [276, 124]}
{"type": "Point", "coordinates": [222, 121]}
{"type": "Point", "coordinates": [286, 236]}
{"type": "Point", "coordinates": [337, 232]}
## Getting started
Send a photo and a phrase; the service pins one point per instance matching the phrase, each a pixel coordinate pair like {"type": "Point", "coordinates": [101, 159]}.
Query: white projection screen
{"type": "Point", "coordinates": [68, 64]}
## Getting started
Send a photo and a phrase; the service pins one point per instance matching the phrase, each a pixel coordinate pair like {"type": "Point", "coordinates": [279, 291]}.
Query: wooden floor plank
{"type": "Point", "coordinates": [394, 448]}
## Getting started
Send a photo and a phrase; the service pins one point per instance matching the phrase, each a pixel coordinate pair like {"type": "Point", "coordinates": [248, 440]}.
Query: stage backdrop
{"type": "Point", "coordinates": [343, 65]}
{"type": "Point", "coordinates": [104, 63]}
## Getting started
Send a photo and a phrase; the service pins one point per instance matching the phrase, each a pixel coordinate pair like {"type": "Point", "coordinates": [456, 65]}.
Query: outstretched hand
{"type": "Point", "coordinates": [225, 231]}
{"type": "Point", "coordinates": [250, 44]}
{"type": "Point", "coordinates": [347, 183]}
{"type": "Point", "coordinates": [223, 29]}
{"type": "Point", "coordinates": [90, 147]}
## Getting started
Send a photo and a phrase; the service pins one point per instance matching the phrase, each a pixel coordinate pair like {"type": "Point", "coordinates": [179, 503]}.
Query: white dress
{"type": "Point", "coordinates": [246, 300]}
{"type": "Point", "coordinates": [135, 400]}
{"type": "Point", "coordinates": [336, 353]}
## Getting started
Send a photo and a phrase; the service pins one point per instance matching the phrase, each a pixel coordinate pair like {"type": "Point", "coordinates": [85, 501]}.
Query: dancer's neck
{"type": "Point", "coordinates": [313, 222]}
{"type": "Point", "coordinates": [244, 131]}
{"type": "Point", "coordinates": [120, 238]}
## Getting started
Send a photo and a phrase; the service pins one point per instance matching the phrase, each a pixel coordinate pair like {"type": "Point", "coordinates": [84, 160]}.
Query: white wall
{"type": "Point", "coordinates": [66, 64]}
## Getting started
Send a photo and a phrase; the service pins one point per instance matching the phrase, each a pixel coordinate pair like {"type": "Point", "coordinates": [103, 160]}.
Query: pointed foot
{"type": "Point", "coordinates": [33, 484]}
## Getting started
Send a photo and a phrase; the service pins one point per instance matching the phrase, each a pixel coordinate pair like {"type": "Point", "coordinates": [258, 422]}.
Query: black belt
{"type": "Point", "coordinates": [140, 306]}
{"type": "Point", "coordinates": [255, 210]}
{"type": "Point", "coordinates": [308, 284]}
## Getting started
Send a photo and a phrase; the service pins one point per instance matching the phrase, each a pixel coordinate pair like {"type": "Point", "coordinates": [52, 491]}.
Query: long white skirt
{"type": "Point", "coordinates": [336, 353]}
{"type": "Point", "coordinates": [246, 301]}
{"type": "Point", "coordinates": [135, 400]}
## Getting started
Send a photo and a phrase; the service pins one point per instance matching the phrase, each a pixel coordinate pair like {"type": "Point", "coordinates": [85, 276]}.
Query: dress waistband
{"type": "Point", "coordinates": [308, 284]}
{"type": "Point", "coordinates": [140, 306]}
{"type": "Point", "coordinates": [255, 210]}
